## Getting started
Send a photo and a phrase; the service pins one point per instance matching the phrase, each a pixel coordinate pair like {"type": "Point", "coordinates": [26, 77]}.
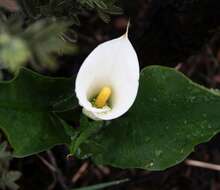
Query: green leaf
{"type": "Point", "coordinates": [170, 116]}
{"type": "Point", "coordinates": [103, 185]}
{"type": "Point", "coordinates": [13, 52]}
{"type": "Point", "coordinates": [9, 178]}
{"type": "Point", "coordinates": [86, 130]}
{"type": "Point", "coordinates": [66, 104]}
{"type": "Point", "coordinates": [39, 44]}
{"type": "Point", "coordinates": [45, 38]}
{"type": "Point", "coordinates": [26, 111]}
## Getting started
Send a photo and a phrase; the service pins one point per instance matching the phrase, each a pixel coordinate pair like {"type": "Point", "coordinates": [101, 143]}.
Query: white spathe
{"type": "Point", "coordinates": [114, 64]}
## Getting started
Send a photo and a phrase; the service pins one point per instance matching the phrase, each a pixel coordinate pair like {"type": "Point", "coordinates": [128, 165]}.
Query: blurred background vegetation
{"type": "Point", "coordinates": [53, 37]}
{"type": "Point", "coordinates": [37, 32]}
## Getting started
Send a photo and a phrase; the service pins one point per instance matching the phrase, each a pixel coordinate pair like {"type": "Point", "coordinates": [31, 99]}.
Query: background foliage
{"type": "Point", "coordinates": [39, 30]}
{"type": "Point", "coordinates": [53, 37]}
{"type": "Point", "coordinates": [7, 177]}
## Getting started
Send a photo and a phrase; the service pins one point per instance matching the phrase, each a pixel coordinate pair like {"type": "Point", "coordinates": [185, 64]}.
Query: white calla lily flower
{"type": "Point", "coordinates": [107, 82]}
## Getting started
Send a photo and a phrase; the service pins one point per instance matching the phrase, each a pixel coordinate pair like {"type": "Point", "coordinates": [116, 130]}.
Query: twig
{"type": "Point", "coordinates": [178, 66]}
{"type": "Point", "coordinates": [80, 172]}
{"type": "Point", "coordinates": [53, 171]}
{"type": "Point", "coordinates": [60, 177]}
{"type": "Point", "coordinates": [50, 166]}
{"type": "Point", "coordinates": [56, 172]}
{"type": "Point", "coordinates": [105, 170]}
{"type": "Point", "coordinates": [205, 165]}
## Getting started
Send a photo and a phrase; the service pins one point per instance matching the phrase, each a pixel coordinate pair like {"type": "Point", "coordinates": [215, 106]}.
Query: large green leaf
{"type": "Point", "coordinates": [26, 111]}
{"type": "Point", "coordinates": [169, 117]}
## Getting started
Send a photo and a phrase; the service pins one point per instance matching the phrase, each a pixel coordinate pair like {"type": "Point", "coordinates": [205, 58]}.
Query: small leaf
{"type": "Point", "coordinates": [9, 179]}
{"type": "Point", "coordinates": [100, 4]}
{"type": "Point", "coordinates": [86, 130]}
{"type": "Point", "coordinates": [13, 52]}
{"type": "Point", "coordinates": [106, 18]}
{"type": "Point", "coordinates": [44, 39]}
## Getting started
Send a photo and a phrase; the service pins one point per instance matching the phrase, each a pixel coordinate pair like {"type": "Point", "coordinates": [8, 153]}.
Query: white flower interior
{"type": "Point", "coordinates": [114, 64]}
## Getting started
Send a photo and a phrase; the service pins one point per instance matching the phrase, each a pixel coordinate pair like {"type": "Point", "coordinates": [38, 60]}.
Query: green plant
{"type": "Point", "coordinates": [7, 177]}
{"type": "Point", "coordinates": [170, 115]}
{"type": "Point", "coordinates": [37, 32]}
